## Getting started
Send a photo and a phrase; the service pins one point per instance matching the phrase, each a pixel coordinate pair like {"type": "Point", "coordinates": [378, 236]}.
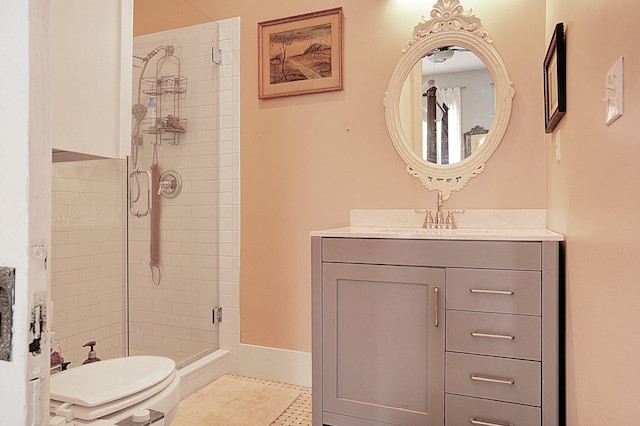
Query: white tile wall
{"type": "Point", "coordinates": [87, 257]}
{"type": "Point", "coordinates": [199, 229]}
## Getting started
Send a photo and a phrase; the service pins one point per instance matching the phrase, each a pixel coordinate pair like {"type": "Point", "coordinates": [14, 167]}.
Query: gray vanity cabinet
{"type": "Point", "coordinates": [435, 332]}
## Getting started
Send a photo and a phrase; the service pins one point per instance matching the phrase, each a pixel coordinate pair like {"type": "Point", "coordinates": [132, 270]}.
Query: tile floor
{"type": "Point", "coordinates": [299, 412]}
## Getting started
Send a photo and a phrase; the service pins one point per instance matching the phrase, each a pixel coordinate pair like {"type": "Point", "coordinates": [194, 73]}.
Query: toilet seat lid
{"type": "Point", "coordinates": [102, 382]}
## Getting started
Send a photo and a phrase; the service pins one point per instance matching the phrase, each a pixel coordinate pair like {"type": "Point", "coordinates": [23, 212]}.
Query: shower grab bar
{"type": "Point", "coordinates": [140, 213]}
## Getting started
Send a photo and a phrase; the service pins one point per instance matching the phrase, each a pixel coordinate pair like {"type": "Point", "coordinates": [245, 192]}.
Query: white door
{"type": "Point", "coordinates": [25, 170]}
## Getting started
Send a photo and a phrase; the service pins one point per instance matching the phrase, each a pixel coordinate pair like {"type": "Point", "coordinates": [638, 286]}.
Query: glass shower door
{"type": "Point", "coordinates": [171, 303]}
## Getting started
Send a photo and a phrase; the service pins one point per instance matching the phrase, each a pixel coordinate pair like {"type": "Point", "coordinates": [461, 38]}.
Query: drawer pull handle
{"type": "Point", "coordinates": [484, 291]}
{"type": "Point", "coordinates": [479, 378]}
{"type": "Point", "coordinates": [493, 336]}
{"type": "Point", "coordinates": [436, 291]}
{"type": "Point", "coordinates": [476, 421]}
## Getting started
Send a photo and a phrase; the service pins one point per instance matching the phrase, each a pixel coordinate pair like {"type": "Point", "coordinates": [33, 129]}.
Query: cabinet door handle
{"type": "Point", "coordinates": [493, 336]}
{"type": "Point", "coordinates": [436, 291]}
{"type": "Point", "coordinates": [484, 291]}
{"type": "Point", "coordinates": [476, 421]}
{"type": "Point", "coordinates": [488, 379]}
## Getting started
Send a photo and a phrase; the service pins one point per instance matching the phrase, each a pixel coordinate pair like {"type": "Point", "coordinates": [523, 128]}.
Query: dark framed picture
{"type": "Point", "coordinates": [300, 54]}
{"type": "Point", "coordinates": [555, 80]}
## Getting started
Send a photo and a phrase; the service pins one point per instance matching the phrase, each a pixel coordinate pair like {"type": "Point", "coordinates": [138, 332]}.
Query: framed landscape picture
{"type": "Point", "coordinates": [300, 54]}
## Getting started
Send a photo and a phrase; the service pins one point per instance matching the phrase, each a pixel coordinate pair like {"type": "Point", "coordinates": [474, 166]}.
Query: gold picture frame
{"type": "Point", "coordinates": [300, 54]}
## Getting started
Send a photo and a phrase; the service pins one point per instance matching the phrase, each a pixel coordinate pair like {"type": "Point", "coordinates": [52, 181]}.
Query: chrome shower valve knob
{"type": "Point", "coordinates": [170, 184]}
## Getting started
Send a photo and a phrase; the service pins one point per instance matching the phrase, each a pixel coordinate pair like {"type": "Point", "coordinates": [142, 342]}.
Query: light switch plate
{"type": "Point", "coordinates": [613, 91]}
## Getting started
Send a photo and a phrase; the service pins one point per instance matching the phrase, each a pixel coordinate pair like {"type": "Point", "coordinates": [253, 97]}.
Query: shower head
{"type": "Point", "coordinates": [139, 111]}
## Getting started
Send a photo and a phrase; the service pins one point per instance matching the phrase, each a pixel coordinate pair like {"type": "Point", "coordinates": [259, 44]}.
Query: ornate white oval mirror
{"type": "Point", "coordinates": [449, 99]}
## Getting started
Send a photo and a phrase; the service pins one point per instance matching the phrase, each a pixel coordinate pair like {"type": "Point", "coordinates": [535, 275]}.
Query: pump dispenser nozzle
{"type": "Point", "coordinates": [92, 353]}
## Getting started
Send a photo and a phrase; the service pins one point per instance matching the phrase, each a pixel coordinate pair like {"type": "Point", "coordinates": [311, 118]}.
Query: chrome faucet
{"type": "Point", "coordinates": [440, 221]}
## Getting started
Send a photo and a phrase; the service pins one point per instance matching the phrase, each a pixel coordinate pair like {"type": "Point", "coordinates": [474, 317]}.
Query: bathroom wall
{"type": "Point", "coordinates": [301, 169]}
{"type": "Point", "coordinates": [199, 228]}
{"type": "Point", "coordinates": [593, 200]}
{"type": "Point", "coordinates": [87, 257]}
{"type": "Point", "coordinates": [307, 174]}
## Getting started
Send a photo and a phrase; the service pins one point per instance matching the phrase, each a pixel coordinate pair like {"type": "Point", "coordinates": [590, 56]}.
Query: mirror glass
{"type": "Point", "coordinates": [447, 102]}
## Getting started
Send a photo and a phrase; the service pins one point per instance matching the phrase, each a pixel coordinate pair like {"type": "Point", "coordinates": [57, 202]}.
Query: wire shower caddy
{"type": "Point", "coordinates": [169, 91]}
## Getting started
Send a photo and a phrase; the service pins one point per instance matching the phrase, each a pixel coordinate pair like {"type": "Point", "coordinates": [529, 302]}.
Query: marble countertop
{"type": "Point", "coordinates": [488, 225]}
{"type": "Point", "coordinates": [486, 234]}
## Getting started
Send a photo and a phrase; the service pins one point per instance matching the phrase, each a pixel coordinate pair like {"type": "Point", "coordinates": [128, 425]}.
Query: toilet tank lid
{"type": "Point", "coordinates": [105, 381]}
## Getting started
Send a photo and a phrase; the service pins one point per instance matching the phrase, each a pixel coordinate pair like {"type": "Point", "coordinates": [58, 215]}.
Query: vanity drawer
{"type": "Point", "coordinates": [503, 379]}
{"type": "Point", "coordinates": [515, 292]}
{"type": "Point", "coordinates": [462, 410]}
{"type": "Point", "coordinates": [515, 336]}
{"type": "Point", "coordinates": [517, 255]}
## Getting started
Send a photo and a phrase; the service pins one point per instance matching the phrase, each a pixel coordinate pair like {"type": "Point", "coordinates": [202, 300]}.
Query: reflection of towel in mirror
{"type": "Point", "coordinates": [154, 241]}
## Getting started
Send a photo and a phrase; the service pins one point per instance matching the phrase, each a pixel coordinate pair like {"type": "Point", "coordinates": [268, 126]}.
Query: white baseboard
{"type": "Point", "coordinates": [280, 365]}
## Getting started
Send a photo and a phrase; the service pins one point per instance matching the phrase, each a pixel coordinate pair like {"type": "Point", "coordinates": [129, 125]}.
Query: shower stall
{"type": "Point", "coordinates": [146, 251]}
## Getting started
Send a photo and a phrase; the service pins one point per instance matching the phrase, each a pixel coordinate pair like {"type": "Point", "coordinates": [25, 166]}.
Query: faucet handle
{"type": "Point", "coordinates": [428, 220]}
{"type": "Point", "coordinates": [450, 221]}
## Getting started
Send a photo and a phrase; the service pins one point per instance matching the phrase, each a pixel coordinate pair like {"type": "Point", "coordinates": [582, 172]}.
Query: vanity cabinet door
{"type": "Point", "coordinates": [383, 345]}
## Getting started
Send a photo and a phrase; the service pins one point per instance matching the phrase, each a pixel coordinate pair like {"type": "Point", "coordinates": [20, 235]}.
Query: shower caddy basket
{"type": "Point", "coordinates": [169, 91]}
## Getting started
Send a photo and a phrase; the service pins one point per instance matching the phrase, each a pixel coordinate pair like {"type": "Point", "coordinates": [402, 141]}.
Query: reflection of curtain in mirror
{"type": "Point", "coordinates": [431, 131]}
{"type": "Point", "coordinates": [452, 98]}
{"type": "Point", "coordinates": [443, 134]}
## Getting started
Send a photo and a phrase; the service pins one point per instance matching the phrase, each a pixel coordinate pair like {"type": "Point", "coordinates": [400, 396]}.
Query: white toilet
{"type": "Point", "coordinates": [132, 390]}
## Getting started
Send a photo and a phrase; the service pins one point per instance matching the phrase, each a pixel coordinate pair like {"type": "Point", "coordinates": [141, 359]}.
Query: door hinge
{"type": "Point", "coordinates": [7, 300]}
{"type": "Point", "coordinates": [216, 315]}
{"type": "Point", "coordinates": [216, 55]}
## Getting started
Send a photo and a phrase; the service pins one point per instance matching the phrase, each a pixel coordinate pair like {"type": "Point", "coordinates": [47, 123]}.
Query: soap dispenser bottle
{"type": "Point", "coordinates": [92, 353]}
{"type": "Point", "coordinates": [56, 358]}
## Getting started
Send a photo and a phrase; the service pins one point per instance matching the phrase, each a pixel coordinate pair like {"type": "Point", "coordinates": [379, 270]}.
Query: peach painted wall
{"type": "Point", "coordinates": [301, 170]}
{"type": "Point", "coordinates": [593, 200]}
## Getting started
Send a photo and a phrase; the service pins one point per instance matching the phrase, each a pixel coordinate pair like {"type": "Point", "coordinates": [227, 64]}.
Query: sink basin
{"type": "Point", "coordinates": [435, 231]}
